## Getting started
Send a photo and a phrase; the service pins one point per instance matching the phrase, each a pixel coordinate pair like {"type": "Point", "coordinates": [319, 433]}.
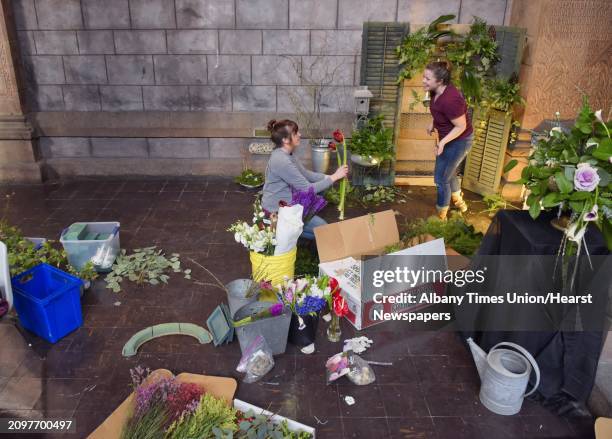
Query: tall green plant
{"type": "Point", "coordinates": [418, 48]}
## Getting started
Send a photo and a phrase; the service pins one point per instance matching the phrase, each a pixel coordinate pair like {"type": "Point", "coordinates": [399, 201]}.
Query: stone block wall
{"type": "Point", "coordinates": [196, 77]}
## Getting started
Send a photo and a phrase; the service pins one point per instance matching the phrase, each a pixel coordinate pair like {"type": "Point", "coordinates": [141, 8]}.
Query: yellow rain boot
{"type": "Point", "coordinates": [458, 201]}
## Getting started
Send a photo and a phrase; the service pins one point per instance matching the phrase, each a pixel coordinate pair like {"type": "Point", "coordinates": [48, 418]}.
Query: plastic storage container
{"type": "Point", "coordinates": [101, 252]}
{"type": "Point", "coordinates": [273, 329]}
{"type": "Point", "coordinates": [47, 301]}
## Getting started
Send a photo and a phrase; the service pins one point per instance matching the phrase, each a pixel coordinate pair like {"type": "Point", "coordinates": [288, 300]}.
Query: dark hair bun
{"type": "Point", "coordinates": [271, 125]}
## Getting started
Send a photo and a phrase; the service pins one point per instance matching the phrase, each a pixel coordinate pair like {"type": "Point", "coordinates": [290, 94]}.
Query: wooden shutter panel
{"type": "Point", "coordinates": [510, 46]}
{"type": "Point", "coordinates": [380, 68]}
{"type": "Point", "coordinates": [483, 168]}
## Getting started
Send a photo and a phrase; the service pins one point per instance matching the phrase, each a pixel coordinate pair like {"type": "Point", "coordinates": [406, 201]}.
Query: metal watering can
{"type": "Point", "coordinates": [504, 375]}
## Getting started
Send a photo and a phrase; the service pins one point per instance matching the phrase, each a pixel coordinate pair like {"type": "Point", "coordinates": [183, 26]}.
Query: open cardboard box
{"type": "Point", "coordinates": [112, 426]}
{"type": "Point", "coordinates": [342, 245]}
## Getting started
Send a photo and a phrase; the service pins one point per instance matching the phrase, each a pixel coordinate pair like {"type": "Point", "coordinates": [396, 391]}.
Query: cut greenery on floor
{"type": "Point", "coordinates": [146, 265]}
{"type": "Point", "coordinates": [368, 195]}
{"type": "Point", "coordinates": [456, 232]}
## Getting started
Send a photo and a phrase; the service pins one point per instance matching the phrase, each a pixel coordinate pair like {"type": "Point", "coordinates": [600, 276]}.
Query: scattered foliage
{"type": "Point", "coordinates": [456, 232]}
{"type": "Point", "coordinates": [148, 265]}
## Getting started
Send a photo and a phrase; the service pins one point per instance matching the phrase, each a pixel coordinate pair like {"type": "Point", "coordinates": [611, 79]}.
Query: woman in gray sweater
{"type": "Point", "coordinates": [285, 172]}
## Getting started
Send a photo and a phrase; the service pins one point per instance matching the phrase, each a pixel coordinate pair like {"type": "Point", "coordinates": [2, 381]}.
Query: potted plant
{"type": "Point", "coordinates": [372, 146]}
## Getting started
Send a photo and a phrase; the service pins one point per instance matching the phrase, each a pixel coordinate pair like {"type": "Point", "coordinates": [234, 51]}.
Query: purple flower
{"type": "Point", "coordinates": [157, 392]}
{"type": "Point", "coordinates": [311, 202]}
{"type": "Point", "coordinates": [276, 309]}
{"type": "Point", "coordinates": [586, 178]}
{"type": "Point", "coordinates": [592, 215]}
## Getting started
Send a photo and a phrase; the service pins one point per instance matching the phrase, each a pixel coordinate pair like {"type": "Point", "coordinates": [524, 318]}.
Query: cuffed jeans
{"type": "Point", "coordinates": [308, 231]}
{"type": "Point", "coordinates": [445, 171]}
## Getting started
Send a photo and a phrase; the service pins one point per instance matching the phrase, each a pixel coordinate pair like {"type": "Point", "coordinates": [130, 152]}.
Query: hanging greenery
{"type": "Point", "coordinates": [418, 48]}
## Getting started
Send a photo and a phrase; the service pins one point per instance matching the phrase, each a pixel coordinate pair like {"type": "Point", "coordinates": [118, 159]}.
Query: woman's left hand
{"type": "Point", "coordinates": [439, 148]}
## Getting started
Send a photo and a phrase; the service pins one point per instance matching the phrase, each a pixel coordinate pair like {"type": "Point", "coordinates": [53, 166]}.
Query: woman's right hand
{"type": "Point", "coordinates": [340, 173]}
{"type": "Point", "coordinates": [430, 129]}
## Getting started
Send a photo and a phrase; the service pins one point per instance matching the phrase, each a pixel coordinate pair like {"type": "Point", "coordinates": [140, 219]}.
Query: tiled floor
{"type": "Point", "coordinates": [431, 391]}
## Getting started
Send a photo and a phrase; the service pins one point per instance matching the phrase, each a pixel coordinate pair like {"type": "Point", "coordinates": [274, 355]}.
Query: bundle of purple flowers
{"type": "Point", "coordinates": [311, 202]}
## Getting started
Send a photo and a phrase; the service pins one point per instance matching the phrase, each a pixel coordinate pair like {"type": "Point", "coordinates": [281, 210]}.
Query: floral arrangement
{"type": "Point", "coordinates": [571, 172]}
{"type": "Point", "coordinates": [306, 295]}
{"type": "Point", "coordinates": [260, 236]}
{"type": "Point", "coordinates": [170, 409]}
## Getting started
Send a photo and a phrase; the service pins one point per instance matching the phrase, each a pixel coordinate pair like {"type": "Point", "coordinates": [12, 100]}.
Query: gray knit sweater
{"type": "Point", "coordinates": [285, 172]}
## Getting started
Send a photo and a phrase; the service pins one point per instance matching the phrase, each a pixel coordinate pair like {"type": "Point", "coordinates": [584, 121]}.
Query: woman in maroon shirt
{"type": "Point", "coordinates": [452, 123]}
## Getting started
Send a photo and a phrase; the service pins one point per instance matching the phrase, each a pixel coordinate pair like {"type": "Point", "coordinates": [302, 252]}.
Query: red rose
{"type": "Point", "coordinates": [338, 136]}
{"type": "Point", "coordinates": [282, 203]}
{"type": "Point", "coordinates": [332, 146]}
{"type": "Point", "coordinates": [340, 306]}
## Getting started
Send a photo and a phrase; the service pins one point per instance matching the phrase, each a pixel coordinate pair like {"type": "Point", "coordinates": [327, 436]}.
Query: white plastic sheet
{"type": "Point", "coordinates": [288, 228]}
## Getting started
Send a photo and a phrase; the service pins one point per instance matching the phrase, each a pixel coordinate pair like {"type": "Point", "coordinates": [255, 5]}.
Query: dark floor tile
{"type": "Point", "coordinates": [451, 399]}
{"type": "Point", "coordinates": [10, 360]}
{"type": "Point", "coordinates": [412, 428]}
{"type": "Point", "coordinates": [404, 401]}
{"type": "Point", "coordinates": [91, 340]}
{"type": "Point", "coordinates": [440, 368]}
{"type": "Point", "coordinates": [546, 427]}
{"type": "Point", "coordinates": [454, 427]}
{"type": "Point", "coordinates": [365, 428]}
{"type": "Point", "coordinates": [174, 186]}
{"type": "Point", "coordinates": [61, 394]}
{"type": "Point", "coordinates": [368, 401]}
{"type": "Point", "coordinates": [88, 421]}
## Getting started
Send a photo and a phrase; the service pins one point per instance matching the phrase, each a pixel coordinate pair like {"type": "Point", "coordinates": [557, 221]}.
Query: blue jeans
{"type": "Point", "coordinates": [308, 232]}
{"type": "Point", "coordinates": [445, 171]}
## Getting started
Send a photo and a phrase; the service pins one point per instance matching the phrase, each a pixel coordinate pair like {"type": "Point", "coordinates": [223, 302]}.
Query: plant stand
{"type": "Point", "coordinates": [382, 175]}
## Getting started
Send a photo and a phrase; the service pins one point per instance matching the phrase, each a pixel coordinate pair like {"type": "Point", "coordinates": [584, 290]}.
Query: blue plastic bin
{"type": "Point", "coordinates": [48, 301]}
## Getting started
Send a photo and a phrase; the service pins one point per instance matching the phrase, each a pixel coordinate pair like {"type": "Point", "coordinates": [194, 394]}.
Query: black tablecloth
{"type": "Point", "coordinates": [567, 359]}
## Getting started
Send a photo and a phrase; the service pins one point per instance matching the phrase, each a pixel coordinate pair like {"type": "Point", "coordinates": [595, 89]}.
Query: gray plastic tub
{"type": "Point", "coordinates": [236, 294]}
{"type": "Point", "coordinates": [274, 329]}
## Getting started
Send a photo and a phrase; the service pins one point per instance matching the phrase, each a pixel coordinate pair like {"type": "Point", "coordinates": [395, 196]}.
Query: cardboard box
{"type": "Point", "coordinates": [112, 427]}
{"type": "Point", "coordinates": [341, 247]}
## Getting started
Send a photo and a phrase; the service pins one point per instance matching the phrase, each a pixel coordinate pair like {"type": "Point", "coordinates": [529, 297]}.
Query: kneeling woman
{"type": "Point", "coordinates": [452, 122]}
{"type": "Point", "coordinates": [285, 173]}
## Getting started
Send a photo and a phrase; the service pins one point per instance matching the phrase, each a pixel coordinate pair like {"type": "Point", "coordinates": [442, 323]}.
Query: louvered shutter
{"type": "Point", "coordinates": [380, 68]}
{"type": "Point", "coordinates": [510, 46]}
{"type": "Point", "coordinates": [483, 168]}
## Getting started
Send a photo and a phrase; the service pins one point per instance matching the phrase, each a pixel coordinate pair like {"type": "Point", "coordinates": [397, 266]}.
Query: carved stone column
{"type": "Point", "coordinates": [17, 158]}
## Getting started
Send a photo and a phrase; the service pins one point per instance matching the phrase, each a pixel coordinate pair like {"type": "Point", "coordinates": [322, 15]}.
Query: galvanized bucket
{"type": "Point", "coordinates": [320, 157]}
{"type": "Point", "coordinates": [273, 329]}
{"type": "Point", "coordinates": [236, 294]}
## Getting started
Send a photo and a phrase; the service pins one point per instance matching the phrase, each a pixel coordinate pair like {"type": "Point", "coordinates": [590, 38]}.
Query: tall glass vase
{"type": "Point", "coordinates": [333, 330]}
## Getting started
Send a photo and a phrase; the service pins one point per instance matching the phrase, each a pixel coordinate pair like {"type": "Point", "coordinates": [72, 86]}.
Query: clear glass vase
{"type": "Point", "coordinates": [333, 330]}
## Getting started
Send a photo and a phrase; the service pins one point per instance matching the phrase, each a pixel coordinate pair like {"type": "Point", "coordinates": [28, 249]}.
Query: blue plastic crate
{"type": "Point", "coordinates": [48, 301]}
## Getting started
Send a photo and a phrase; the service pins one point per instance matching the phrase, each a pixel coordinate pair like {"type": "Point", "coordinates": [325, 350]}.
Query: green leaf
{"type": "Point", "coordinates": [604, 150]}
{"type": "Point", "coordinates": [577, 206]}
{"type": "Point", "coordinates": [579, 196]}
{"type": "Point", "coordinates": [604, 176]}
{"type": "Point", "coordinates": [565, 186]}
{"type": "Point", "coordinates": [551, 199]}
{"type": "Point", "coordinates": [510, 165]}
{"type": "Point", "coordinates": [535, 209]}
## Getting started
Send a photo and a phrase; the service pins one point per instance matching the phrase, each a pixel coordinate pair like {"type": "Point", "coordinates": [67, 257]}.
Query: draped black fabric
{"type": "Point", "coordinates": [567, 359]}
